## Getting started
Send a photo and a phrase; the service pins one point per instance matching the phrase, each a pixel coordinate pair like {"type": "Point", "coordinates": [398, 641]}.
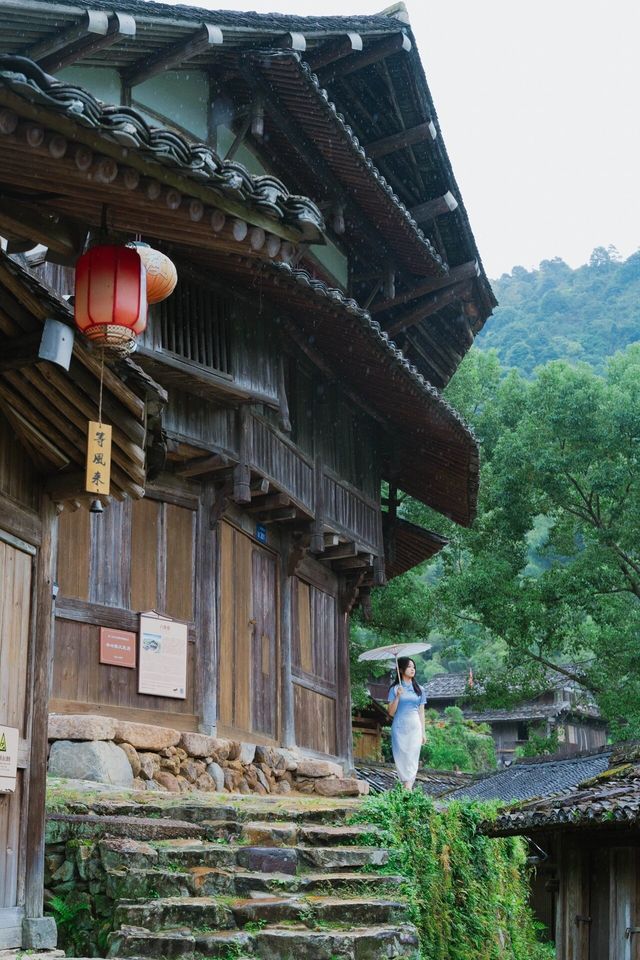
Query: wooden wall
{"type": "Point", "coordinates": [315, 661]}
{"type": "Point", "coordinates": [248, 663]}
{"type": "Point", "coordinates": [136, 556]}
{"type": "Point", "coordinates": [598, 913]}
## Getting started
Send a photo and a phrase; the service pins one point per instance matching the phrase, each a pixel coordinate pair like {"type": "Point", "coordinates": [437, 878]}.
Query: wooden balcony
{"type": "Point", "coordinates": [342, 508]}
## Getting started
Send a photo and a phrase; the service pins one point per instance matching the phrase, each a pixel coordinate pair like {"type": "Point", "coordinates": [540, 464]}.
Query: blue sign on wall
{"type": "Point", "coordinates": [261, 532]}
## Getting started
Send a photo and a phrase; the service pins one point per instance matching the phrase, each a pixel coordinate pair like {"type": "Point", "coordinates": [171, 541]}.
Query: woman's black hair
{"type": "Point", "coordinates": [403, 663]}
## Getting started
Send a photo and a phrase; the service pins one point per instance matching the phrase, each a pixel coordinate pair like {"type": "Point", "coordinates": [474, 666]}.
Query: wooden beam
{"type": "Point", "coordinates": [19, 352]}
{"type": "Point", "coordinates": [260, 487]}
{"type": "Point", "coordinates": [372, 54]}
{"type": "Point", "coordinates": [121, 26]}
{"type": "Point", "coordinates": [201, 465]}
{"type": "Point", "coordinates": [466, 271]}
{"type": "Point", "coordinates": [174, 54]}
{"type": "Point", "coordinates": [273, 502]}
{"type": "Point", "coordinates": [434, 208]}
{"type": "Point", "coordinates": [342, 550]}
{"type": "Point", "coordinates": [333, 50]}
{"type": "Point", "coordinates": [52, 230]}
{"type": "Point", "coordinates": [278, 516]}
{"type": "Point", "coordinates": [355, 563]}
{"type": "Point", "coordinates": [398, 141]}
{"type": "Point", "coordinates": [94, 22]}
{"type": "Point", "coordinates": [427, 308]}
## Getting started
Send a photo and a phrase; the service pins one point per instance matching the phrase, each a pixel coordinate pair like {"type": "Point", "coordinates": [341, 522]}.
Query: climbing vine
{"type": "Point", "coordinates": [467, 893]}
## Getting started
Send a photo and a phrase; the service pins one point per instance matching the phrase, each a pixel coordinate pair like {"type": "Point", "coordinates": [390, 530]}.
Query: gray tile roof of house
{"type": "Point", "coordinates": [435, 783]}
{"type": "Point", "coordinates": [536, 778]}
{"type": "Point", "coordinates": [534, 711]}
{"type": "Point", "coordinates": [446, 686]}
{"type": "Point", "coordinates": [608, 798]}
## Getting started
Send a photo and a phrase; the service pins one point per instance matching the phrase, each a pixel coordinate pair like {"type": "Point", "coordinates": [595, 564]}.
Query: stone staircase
{"type": "Point", "coordinates": [255, 880]}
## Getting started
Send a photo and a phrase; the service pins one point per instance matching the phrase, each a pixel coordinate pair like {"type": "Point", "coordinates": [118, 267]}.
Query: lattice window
{"type": "Point", "coordinates": [194, 325]}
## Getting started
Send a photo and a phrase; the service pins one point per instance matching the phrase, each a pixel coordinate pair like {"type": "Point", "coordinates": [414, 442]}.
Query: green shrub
{"type": "Point", "coordinates": [467, 893]}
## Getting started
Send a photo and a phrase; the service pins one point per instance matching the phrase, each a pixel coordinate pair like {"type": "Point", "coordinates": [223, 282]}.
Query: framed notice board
{"type": "Point", "coordinates": [162, 660]}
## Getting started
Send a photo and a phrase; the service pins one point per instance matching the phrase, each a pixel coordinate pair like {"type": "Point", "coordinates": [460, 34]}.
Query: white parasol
{"type": "Point", "coordinates": [394, 650]}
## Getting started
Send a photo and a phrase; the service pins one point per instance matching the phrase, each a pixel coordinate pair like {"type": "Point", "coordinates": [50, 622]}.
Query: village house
{"type": "Point", "coordinates": [293, 169]}
{"type": "Point", "coordinates": [584, 842]}
{"type": "Point", "coordinates": [564, 709]}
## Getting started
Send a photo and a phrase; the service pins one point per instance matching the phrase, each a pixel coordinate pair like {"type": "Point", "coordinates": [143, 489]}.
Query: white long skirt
{"type": "Point", "coordinates": [406, 740]}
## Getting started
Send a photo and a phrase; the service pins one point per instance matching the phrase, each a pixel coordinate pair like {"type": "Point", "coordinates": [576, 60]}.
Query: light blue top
{"type": "Point", "coordinates": [409, 702]}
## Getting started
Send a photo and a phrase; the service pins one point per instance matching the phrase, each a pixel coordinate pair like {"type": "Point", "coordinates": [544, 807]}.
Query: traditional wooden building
{"type": "Point", "coordinates": [294, 170]}
{"type": "Point", "coordinates": [585, 843]}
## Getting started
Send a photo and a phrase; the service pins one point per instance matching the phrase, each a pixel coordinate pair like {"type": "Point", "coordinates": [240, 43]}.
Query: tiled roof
{"type": "Point", "coordinates": [539, 777]}
{"type": "Point", "coordinates": [608, 797]}
{"type": "Point", "coordinates": [128, 128]}
{"type": "Point", "coordinates": [533, 711]}
{"type": "Point", "coordinates": [300, 89]}
{"type": "Point", "coordinates": [382, 777]}
{"type": "Point", "coordinates": [446, 686]}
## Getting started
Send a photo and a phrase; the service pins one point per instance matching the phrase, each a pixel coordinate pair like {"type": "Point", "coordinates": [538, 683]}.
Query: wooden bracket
{"type": "Point", "coordinates": [222, 496]}
{"type": "Point", "coordinates": [297, 551]}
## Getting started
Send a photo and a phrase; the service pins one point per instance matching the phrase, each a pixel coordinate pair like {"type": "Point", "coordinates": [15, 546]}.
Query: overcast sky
{"type": "Point", "coordinates": [539, 103]}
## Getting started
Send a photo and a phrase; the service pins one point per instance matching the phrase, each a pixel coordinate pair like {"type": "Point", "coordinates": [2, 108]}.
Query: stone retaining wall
{"type": "Point", "coordinates": [145, 757]}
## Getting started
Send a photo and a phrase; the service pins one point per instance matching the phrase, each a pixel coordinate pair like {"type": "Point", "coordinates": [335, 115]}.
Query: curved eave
{"type": "Point", "coordinates": [123, 133]}
{"type": "Point", "coordinates": [299, 90]}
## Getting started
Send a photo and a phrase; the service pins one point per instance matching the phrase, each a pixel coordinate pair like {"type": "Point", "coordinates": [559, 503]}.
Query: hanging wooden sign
{"type": "Point", "coordinates": [98, 458]}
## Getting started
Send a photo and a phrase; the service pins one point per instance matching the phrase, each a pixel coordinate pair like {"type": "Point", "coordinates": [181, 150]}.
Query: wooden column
{"type": "Point", "coordinates": [207, 614]}
{"type": "Point", "coordinates": [42, 648]}
{"type": "Point", "coordinates": [343, 705]}
{"type": "Point", "coordinates": [317, 535]}
{"type": "Point", "coordinates": [242, 472]}
{"type": "Point", "coordinates": [287, 584]}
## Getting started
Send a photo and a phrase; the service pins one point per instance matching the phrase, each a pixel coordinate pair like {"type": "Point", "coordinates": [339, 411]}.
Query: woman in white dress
{"type": "Point", "coordinates": [406, 706]}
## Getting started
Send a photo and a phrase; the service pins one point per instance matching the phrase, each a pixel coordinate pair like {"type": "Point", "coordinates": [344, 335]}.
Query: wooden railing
{"type": "Point", "coordinates": [350, 512]}
{"type": "Point", "coordinates": [279, 460]}
{"type": "Point", "coordinates": [334, 503]}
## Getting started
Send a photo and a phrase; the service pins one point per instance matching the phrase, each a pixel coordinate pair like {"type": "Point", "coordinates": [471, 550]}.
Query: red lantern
{"type": "Point", "coordinates": [111, 296]}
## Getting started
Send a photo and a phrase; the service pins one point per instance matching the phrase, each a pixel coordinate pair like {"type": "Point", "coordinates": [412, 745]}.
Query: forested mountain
{"type": "Point", "coordinates": [556, 313]}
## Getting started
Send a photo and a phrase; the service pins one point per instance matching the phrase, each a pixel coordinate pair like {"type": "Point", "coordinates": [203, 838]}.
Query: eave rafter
{"type": "Point", "coordinates": [464, 272]}
{"type": "Point", "coordinates": [428, 307]}
{"type": "Point", "coordinates": [173, 55]}
{"type": "Point", "coordinates": [424, 132]}
{"type": "Point", "coordinates": [371, 54]}
{"type": "Point", "coordinates": [334, 50]}
{"type": "Point", "coordinates": [94, 31]}
{"type": "Point", "coordinates": [437, 207]}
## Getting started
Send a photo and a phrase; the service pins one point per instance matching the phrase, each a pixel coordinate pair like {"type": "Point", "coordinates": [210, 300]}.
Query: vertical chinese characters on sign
{"type": "Point", "coordinates": [98, 458]}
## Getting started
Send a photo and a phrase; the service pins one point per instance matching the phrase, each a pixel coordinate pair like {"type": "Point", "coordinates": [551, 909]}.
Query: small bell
{"type": "Point", "coordinates": [96, 507]}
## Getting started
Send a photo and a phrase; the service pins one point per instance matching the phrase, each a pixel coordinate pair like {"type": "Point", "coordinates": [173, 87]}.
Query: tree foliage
{"type": "Point", "coordinates": [560, 486]}
{"type": "Point", "coordinates": [555, 312]}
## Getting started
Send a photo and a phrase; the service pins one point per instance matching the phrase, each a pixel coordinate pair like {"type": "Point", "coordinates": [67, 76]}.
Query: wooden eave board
{"type": "Point", "coordinates": [413, 545]}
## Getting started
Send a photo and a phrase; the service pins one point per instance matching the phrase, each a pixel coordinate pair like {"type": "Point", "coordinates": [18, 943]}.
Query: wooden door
{"type": "Point", "coordinates": [16, 570]}
{"type": "Point", "coordinates": [248, 668]}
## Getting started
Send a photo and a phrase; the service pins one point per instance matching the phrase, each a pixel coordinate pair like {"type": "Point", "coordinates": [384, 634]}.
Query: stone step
{"type": "Point", "coordinates": [339, 858]}
{"type": "Point", "coordinates": [61, 827]}
{"type": "Point", "coordinates": [223, 914]}
{"type": "Point", "coordinates": [378, 942]}
{"type": "Point", "coordinates": [366, 943]}
{"type": "Point", "coordinates": [181, 855]}
{"type": "Point", "coordinates": [140, 883]}
{"type": "Point", "coordinates": [269, 833]}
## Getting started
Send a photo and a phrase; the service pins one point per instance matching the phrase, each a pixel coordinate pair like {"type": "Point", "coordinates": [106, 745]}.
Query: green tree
{"type": "Point", "coordinates": [564, 447]}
